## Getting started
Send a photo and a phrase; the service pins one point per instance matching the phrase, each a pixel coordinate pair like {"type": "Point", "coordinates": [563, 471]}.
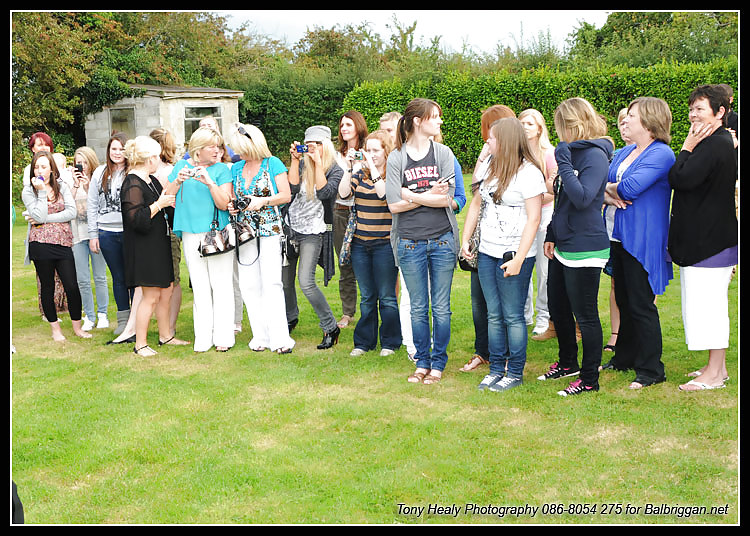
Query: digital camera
{"type": "Point", "coordinates": [302, 148]}
{"type": "Point", "coordinates": [241, 203]}
{"type": "Point", "coordinates": [358, 155]}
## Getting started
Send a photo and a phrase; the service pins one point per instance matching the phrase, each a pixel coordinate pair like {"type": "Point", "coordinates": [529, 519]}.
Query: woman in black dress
{"type": "Point", "coordinates": [146, 212]}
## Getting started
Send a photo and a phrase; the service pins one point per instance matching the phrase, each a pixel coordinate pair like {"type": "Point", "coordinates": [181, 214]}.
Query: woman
{"type": "Point", "coordinates": [205, 192]}
{"type": "Point", "coordinates": [105, 222]}
{"type": "Point", "coordinates": [314, 178]}
{"type": "Point", "coordinates": [352, 134]}
{"type": "Point", "coordinates": [87, 262]}
{"type": "Point", "coordinates": [478, 303]}
{"type": "Point", "coordinates": [638, 186]}
{"type": "Point", "coordinates": [259, 182]}
{"type": "Point", "coordinates": [536, 132]}
{"type": "Point", "coordinates": [420, 182]}
{"type": "Point", "coordinates": [49, 208]}
{"type": "Point", "coordinates": [703, 232]}
{"type": "Point", "coordinates": [371, 253]}
{"type": "Point", "coordinates": [512, 198]}
{"type": "Point", "coordinates": [148, 255]}
{"type": "Point", "coordinates": [577, 243]}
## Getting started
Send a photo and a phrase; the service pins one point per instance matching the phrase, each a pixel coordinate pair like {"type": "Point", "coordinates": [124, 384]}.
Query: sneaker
{"type": "Point", "coordinates": [385, 352]}
{"type": "Point", "coordinates": [357, 352]}
{"type": "Point", "coordinates": [577, 387]}
{"type": "Point", "coordinates": [555, 371]}
{"type": "Point", "coordinates": [103, 322]}
{"type": "Point", "coordinates": [505, 383]}
{"type": "Point", "coordinates": [87, 324]}
{"type": "Point", "coordinates": [489, 380]}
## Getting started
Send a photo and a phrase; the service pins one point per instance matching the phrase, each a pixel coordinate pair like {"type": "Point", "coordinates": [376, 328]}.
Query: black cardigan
{"type": "Point", "coordinates": [704, 221]}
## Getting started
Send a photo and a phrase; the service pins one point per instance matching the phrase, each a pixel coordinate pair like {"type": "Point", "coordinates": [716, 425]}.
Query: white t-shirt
{"type": "Point", "coordinates": [502, 224]}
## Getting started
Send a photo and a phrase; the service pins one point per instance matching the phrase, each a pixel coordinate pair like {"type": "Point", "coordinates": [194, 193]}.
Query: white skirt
{"type": "Point", "coordinates": [705, 307]}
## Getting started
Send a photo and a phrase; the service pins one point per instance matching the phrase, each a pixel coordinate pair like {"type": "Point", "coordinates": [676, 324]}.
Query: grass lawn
{"type": "Point", "coordinates": [101, 436]}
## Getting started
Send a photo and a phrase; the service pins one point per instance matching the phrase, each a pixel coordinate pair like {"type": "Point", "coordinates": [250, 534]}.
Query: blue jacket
{"type": "Point", "coordinates": [643, 227]}
{"type": "Point", "coordinates": [577, 224]}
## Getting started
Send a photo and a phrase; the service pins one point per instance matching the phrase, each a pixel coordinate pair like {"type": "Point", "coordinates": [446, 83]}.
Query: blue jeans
{"type": "Point", "coordinates": [111, 246]}
{"type": "Point", "coordinates": [376, 274]}
{"type": "Point", "coordinates": [427, 267]}
{"type": "Point", "coordinates": [506, 297]}
{"type": "Point", "coordinates": [479, 317]}
{"type": "Point", "coordinates": [82, 254]}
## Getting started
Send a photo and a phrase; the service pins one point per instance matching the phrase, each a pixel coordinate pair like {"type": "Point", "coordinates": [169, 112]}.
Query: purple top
{"type": "Point", "coordinates": [723, 259]}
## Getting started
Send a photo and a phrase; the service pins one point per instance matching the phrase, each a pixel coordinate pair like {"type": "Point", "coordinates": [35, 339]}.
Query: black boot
{"type": "Point", "coordinates": [329, 339]}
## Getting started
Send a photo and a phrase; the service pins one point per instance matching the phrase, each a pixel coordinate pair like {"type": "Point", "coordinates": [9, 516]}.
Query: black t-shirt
{"type": "Point", "coordinates": [422, 223]}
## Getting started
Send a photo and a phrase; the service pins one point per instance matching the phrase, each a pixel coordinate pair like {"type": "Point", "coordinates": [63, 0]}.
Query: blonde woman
{"type": "Point", "coordinates": [512, 195]}
{"type": "Point", "coordinates": [148, 255]}
{"type": "Point", "coordinates": [538, 136]}
{"type": "Point", "coordinates": [205, 190]}
{"type": "Point", "coordinates": [87, 262]}
{"type": "Point", "coordinates": [577, 244]}
{"type": "Point", "coordinates": [259, 183]}
{"type": "Point", "coordinates": [314, 178]}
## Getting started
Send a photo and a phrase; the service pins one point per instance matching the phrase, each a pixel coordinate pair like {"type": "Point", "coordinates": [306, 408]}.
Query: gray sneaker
{"type": "Point", "coordinates": [489, 380]}
{"type": "Point", "coordinates": [505, 383]}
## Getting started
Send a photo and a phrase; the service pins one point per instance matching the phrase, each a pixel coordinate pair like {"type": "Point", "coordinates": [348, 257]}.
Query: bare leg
{"type": "Point", "coordinates": [714, 373]}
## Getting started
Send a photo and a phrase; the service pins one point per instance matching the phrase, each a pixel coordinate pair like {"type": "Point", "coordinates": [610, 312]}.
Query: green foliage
{"type": "Point", "coordinates": [463, 96]}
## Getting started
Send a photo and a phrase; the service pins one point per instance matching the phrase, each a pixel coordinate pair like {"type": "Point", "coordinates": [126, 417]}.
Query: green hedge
{"type": "Point", "coordinates": [463, 96]}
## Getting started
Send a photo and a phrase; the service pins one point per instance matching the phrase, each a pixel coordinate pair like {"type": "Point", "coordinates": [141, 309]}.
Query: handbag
{"type": "Point", "coordinates": [345, 254]}
{"type": "Point", "coordinates": [216, 241]}
{"type": "Point", "coordinates": [470, 265]}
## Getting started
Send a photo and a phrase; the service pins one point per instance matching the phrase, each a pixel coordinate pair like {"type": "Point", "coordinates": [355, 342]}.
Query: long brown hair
{"type": "Point", "coordinates": [110, 168]}
{"type": "Point", "coordinates": [418, 107]}
{"type": "Point", "coordinates": [360, 125]}
{"type": "Point", "coordinates": [54, 172]}
{"type": "Point", "coordinates": [512, 148]}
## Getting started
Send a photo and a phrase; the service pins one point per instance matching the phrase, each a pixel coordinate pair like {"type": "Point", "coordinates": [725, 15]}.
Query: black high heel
{"type": "Point", "coordinates": [329, 339]}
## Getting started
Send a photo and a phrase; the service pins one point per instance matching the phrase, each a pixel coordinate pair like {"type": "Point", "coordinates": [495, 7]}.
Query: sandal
{"type": "Point", "coordinates": [700, 386]}
{"type": "Point", "coordinates": [641, 382]}
{"type": "Point", "coordinates": [145, 347]}
{"type": "Point", "coordinates": [174, 342]}
{"type": "Point", "coordinates": [431, 379]}
{"type": "Point", "coordinates": [344, 322]}
{"type": "Point", "coordinates": [284, 351]}
{"type": "Point", "coordinates": [417, 377]}
{"type": "Point", "coordinates": [474, 363]}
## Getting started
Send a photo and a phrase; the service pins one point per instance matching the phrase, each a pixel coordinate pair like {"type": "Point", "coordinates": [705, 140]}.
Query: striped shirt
{"type": "Point", "coordinates": [373, 217]}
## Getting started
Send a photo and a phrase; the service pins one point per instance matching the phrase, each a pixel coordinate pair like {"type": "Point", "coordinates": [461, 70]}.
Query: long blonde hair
{"type": "Point", "coordinates": [327, 159]}
{"type": "Point", "coordinates": [544, 144]}
{"type": "Point", "coordinates": [512, 148]}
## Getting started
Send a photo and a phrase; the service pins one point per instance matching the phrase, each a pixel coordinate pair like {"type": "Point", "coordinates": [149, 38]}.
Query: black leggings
{"type": "Point", "coordinates": [66, 269]}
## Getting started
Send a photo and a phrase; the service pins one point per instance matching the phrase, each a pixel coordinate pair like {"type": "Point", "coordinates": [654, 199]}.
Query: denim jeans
{"type": "Point", "coordinates": [573, 295]}
{"type": "Point", "coordinates": [111, 247]}
{"type": "Point", "coordinates": [427, 267]}
{"type": "Point", "coordinates": [82, 253]}
{"type": "Point", "coordinates": [506, 298]}
{"type": "Point", "coordinates": [307, 255]}
{"type": "Point", "coordinates": [479, 317]}
{"type": "Point", "coordinates": [376, 274]}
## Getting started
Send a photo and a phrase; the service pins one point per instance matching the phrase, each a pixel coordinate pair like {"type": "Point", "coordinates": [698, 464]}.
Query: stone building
{"type": "Point", "coordinates": [178, 109]}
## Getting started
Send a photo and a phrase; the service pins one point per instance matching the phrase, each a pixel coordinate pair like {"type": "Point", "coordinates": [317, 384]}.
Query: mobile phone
{"type": "Point", "coordinates": [79, 168]}
{"type": "Point", "coordinates": [508, 256]}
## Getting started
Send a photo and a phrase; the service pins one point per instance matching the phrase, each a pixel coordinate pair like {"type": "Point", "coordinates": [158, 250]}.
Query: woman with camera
{"type": "Point", "coordinates": [260, 185]}
{"type": "Point", "coordinates": [508, 210]}
{"type": "Point", "coordinates": [146, 243]}
{"type": "Point", "coordinates": [371, 253]}
{"type": "Point", "coordinates": [87, 262]}
{"type": "Point", "coordinates": [205, 192]}
{"type": "Point", "coordinates": [49, 208]}
{"type": "Point", "coordinates": [314, 178]}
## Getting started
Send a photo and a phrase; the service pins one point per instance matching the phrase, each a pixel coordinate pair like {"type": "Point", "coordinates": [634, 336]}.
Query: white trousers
{"type": "Point", "coordinates": [705, 307]}
{"type": "Point", "coordinates": [263, 293]}
{"type": "Point", "coordinates": [213, 295]}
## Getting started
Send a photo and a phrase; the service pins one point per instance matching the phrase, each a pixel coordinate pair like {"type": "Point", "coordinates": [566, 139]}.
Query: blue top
{"type": "Point", "coordinates": [459, 196]}
{"type": "Point", "coordinates": [643, 227]}
{"type": "Point", "coordinates": [194, 206]}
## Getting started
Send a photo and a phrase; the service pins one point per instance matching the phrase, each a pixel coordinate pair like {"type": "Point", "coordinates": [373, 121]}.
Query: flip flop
{"type": "Point", "coordinates": [697, 373]}
{"type": "Point", "coordinates": [701, 386]}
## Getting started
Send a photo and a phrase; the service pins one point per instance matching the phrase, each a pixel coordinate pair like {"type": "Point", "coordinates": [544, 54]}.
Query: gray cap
{"type": "Point", "coordinates": [317, 133]}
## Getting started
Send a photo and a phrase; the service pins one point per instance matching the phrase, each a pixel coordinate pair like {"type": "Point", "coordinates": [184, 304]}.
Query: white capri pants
{"type": "Point", "coordinates": [705, 307]}
{"type": "Point", "coordinates": [213, 295]}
